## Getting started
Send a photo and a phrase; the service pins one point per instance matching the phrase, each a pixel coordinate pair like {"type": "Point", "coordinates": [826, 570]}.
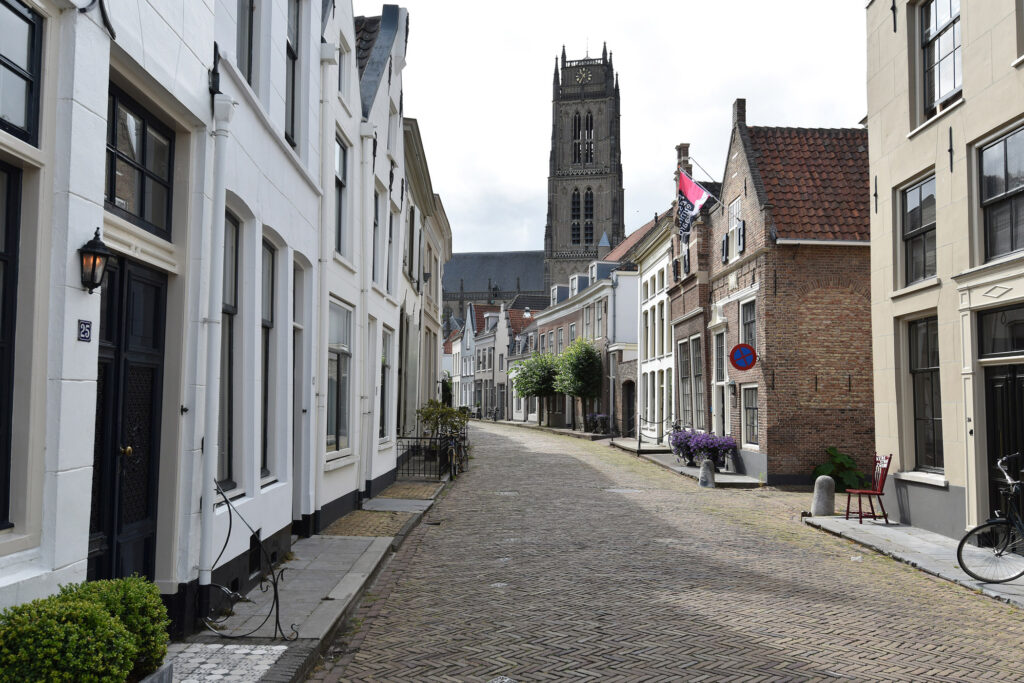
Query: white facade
{"type": "Point", "coordinates": [655, 358]}
{"type": "Point", "coordinates": [227, 234]}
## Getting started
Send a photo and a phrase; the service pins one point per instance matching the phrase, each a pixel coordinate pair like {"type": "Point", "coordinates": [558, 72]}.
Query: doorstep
{"type": "Point", "coordinates": [723, 480]}
{"type": "Point", "coordinates": [630, 446]}
{"type": "Point", "coordinates": [930, 552]}
{"type": "Point", "coordinates": [321, 586]}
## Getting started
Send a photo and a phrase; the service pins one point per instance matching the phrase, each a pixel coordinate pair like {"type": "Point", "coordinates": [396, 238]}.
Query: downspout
{"type": "Point", "coordinates": [223, 109]}
{"type": "Point", "coordinates": [612, 365]}
{"type": "Point", "coordinates": [367, 135]}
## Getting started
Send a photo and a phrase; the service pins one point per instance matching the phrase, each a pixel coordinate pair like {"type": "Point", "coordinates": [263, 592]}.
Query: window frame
{"type": "Point", "coordinates": [229, 311]}
{"type": "Point", "coordinates": [340, 190]}
{"type": "Point", "coordinates": [749, 421]}
{"type": "Point", "coordinates": [292, 50]}
{"type": "Point", "coordinates": [383, 432]}
{"type": "Point", "coordinates": [940, 101]}
{"type": "Point", "coordinates": [33, 76]}
{"type": "Point", "coordinates": [697, 373]}
{"type": "Point", "coordinates": [748, 327]}
{"type": "Point", "coordinates": [246, 9]}
{"type": "Point", "coordinates": [735, 218]}
{"type": "Point", "coordinates": [267, 344]}
{"type": "Point", "coordinates": [919, 234]}
{"type": "Point", "coordinates": [339, 352]}
{"type": "Point", "coordinates": [9, 259]}
{"type": "Point", "coordinates": [1011, 198]}
{"type": "Point", "coordinates": [118, 98]}
{"type": "Point", "coordinates": [925, 462]}
{"type": "Point", "coordinates": [685, 382]}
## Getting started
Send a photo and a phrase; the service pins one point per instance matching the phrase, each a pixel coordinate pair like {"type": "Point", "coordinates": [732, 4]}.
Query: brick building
{"type": "Point", "coordinates": [790, 275]}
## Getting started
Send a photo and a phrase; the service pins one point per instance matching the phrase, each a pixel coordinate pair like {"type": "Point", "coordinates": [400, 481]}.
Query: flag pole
{"type": "Point", "coordinates": [717, 200]}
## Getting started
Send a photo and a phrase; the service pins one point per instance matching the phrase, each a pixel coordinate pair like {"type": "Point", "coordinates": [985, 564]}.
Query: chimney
{"type": "Point", "coordinates": [739, 111]}
{"type": "Point", "coordinates": [683, 160]}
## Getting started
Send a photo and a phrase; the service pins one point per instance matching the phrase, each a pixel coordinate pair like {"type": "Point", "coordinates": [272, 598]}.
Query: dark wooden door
{"type": "Point", "coordinates": [126, 449]}
{"type": "Point", "coordinates": [1004, 395]}
{"type": "Point", "coordinates": [628, 409]}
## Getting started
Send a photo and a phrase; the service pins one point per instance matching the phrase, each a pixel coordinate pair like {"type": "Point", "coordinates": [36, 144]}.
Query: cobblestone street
{"type": "Point", "coordinates": [554, 558]}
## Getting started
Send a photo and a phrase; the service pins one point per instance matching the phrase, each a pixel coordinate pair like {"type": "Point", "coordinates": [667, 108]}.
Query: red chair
{"type": "Point", "coordinates": [877, 484]}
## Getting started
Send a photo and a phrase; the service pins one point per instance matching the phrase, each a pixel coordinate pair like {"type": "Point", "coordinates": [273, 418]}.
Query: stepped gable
{"type": "Point", "coordinates": [815, 180]}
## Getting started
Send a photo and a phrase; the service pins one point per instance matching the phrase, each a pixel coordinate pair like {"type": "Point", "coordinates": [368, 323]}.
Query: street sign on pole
{"type": "Point", "coordinates": [743, 356]}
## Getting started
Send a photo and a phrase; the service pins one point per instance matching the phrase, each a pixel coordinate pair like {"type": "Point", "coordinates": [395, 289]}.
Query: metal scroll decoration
{"type": "Point", "coordinates": [103, 14]}
{"type": "Point", "coordinates": [269, 581]}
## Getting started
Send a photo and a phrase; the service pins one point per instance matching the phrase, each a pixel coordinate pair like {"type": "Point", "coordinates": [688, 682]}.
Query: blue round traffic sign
{"type": "Point", "coordinates": [743, 356]}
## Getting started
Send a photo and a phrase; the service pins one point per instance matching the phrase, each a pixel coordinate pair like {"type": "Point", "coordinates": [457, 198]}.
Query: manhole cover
{"type": "Point", "coordinates": [623, 490]}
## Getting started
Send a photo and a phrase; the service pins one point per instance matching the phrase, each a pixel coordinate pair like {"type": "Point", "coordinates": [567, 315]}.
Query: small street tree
{"type": "Point", "coordinates": [579, 371]}
{"type": "Point", "coordinates": [535, 376]}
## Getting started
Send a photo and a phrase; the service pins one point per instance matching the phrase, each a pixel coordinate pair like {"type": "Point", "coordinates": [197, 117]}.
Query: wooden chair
{"type": "Point", "coordinates": [876, 490]}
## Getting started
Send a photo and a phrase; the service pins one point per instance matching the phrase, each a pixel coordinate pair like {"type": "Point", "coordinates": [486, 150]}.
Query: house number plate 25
{"type": "Point", "coordinates": [85, 330]}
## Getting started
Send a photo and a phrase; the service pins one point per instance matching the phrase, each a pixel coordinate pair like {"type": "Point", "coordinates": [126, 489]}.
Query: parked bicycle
{"type": "Point", "coordinates": [455, 449]}
{"type": "Point", "coordinates": [993, 552]}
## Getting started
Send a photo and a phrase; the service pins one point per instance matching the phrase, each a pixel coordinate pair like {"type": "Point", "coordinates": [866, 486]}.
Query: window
{"type": "Point", "coordinates": [339, 358]}
{"type": "Point", "coordinates": [389, 263]}
{"type": "Point", "coordinates": [572, 333]}
{"type": "Point", "coordinates": [718, 396]}
{"type": "Point", "coordinates": [340, 182]}
{"type": "Point", "coordinates": [561, 339]}
{"type": "Point", "coordinates": [697, 356]}
{"type": "Point", "coordinates": [940, 46]}
{"type": "Point", "coordinates": [588, 148]}
{"type": "Point", "coordinates": [410, 246]}
{"type": "Point", "coordinates": [490, 357]}
{"type": "Point", "coordinates": [343, 57]}
{"type": "Point", "coordinates": [919, 231]}
{"type": "Point", "coordinates": [501, 361]}
{"type": "Point", "coordinates": [20, 70]}
{"type": "Point", "coordinates": [586, 322]}
{"type": "Point", "coordinates": [385, 380]}
{"type": "Point", "coordinates": [924, 373]}
{"type": "Point", "coordinates": [551, 342]}
{"type": "Point", "coordinates": [376, 236]}
{"type": "Point", "coordinates": [575, 217]}
{"type": "Point", "coordinates": [543, 344]}
{"type": "Point", "coordinates": [735, 209]}
{"type": "Point", "coordinates": [685, 393]}
{"type": "Point", "coordinates": [598, 328]}
{"type": "Point", "coordinates": [720, 357]}
{"type": "Point", "coordinates": [291, 72]}
{"type": "Point", "coordinates": [1002, 195]}
{"type": "Point", "coordinates": [243, 48]}
{"type": "Point", "coordinates": [588, 214]}
{"type": "Point", "coordinates": [750, 415]}
{"type": "Point", "coordinates": [269, 255]}
{"type": "Point", "coordinates": [749, 323]}
{"type": "Point", "coordinates": [577, 135]}
{"type": "Point", "coordinates": [646, 294]}
{"type": "Point", "coordinates": [661, 328]}
{"type": "Point", "coordinates": [229, 308]}
{"type": "Point", "coordinates": [10, 203]}
{"type": "Point", "coordinates": [139, 162]}
{"type": "Point", "coordinates": [661, 280]}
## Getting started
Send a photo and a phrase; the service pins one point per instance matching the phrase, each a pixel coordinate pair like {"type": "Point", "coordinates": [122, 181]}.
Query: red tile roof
{"type": "Point", "coordinates": [815, 179]}
{"type": "Point", "coordinates": [518, 321]}
{"type": "Point", "coordinates": [478, 315]}
{"type": "Point", "coordinates": [455, 334]}
{"type": "Point", "coordinates": [625, 246]}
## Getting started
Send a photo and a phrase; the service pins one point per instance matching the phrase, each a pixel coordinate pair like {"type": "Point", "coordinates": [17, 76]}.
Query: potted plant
{"type": "Point", "coordinates": [680, 442]}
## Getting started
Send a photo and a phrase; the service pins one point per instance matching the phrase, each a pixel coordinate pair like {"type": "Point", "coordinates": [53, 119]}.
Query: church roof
{"type": "Point", "coordinates": [510, 270]}
{"type": "Point", "coordinates": [535, 302]}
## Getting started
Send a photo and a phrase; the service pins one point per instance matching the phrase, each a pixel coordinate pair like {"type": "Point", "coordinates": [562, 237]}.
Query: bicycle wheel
{"type": "Point", "coordinates": [992, 552]}
{"type": "Point", "coordinates": [453, 462]}
{"type": "Point", "coordinates": [463, 459]}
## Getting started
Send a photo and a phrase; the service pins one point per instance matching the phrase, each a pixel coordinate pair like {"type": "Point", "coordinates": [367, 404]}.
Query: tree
{"type": "Point", "coordinates": [579, 371]}
{"type": "Point", "coordinates": [535, 376]}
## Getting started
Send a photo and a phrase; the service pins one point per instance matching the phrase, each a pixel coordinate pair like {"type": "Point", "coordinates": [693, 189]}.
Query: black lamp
{"type": "Point", "coordinates": [94, 255]}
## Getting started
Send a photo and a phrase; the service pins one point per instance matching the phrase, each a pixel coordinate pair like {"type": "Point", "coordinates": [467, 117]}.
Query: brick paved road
{"type": "Point", "coordinates": [554, 559]}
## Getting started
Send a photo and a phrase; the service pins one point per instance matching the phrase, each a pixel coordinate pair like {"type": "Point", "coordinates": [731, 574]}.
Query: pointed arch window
{"type": "Point", "coordinates": [576, 216]}
{"type": "Point", "coordinates": [577, 138]}
{"type": "Point", "coordinates": [588, 217]}
{"type": "Point", "coordinates": [588, 147]}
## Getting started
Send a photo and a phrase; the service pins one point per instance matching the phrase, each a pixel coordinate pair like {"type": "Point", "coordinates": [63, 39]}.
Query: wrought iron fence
{"type": "Point", "coordinates": [426, 457]}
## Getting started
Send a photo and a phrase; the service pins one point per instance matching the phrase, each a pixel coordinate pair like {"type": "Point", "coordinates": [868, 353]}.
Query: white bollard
{"type": "Point", "coordinates": [707, 475]}
{"type": "Point", "coordinates": [824, 503]}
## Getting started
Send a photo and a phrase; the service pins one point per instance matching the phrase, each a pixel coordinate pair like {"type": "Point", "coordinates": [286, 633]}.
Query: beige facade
{"type": "Point", "coordinates": [928, 144]}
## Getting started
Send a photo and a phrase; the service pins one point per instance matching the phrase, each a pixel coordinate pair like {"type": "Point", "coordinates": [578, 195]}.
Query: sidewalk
{"type": "Point", "coordinates": [564, 431]}
{"type": "Point", "coordinates": [927, 551]}
{"type": "Point", "coordinates": [723, 480]}
{"type": "Point", "coordinates": [323, 579]}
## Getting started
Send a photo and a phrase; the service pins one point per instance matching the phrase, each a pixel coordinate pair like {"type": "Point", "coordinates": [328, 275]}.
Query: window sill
{"type": "Point", "coordinates": [268, 482]}
{"type": "Point", "coordinates": [926, 478]}
{"type": "Point", "coordinates": [916, 287]}
{"type": "Point", "coordinates": [953, 107]}
{"type": "Point", "coordinates": [342, 261]}
{"type": "Point", "coordinates": [232, 495]}
{"type": "Point", "coordinates": [1012, 260]}
{"type": "Point", "coordinates": [385, 443]}
{"type": "Point", "coordinates": [344, 104]}
{"type": "Point", "coordinates": [339, 459]}
{"type": "Point", "coordinates": [750, 447]}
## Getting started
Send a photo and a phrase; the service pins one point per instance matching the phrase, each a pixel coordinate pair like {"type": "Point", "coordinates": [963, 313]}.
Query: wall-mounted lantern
{"type": "Point", "coordinates": [94, 255]}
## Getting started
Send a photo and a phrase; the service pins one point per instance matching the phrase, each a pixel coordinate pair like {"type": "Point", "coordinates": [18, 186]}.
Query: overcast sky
{"type": "Point", "coordinates": [478, 80]}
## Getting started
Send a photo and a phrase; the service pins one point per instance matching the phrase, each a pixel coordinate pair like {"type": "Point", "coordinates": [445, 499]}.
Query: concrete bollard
{"type": "Point", "coordinates": [824, 503]}
{"type": "Point", "coordinates": [707, 475]}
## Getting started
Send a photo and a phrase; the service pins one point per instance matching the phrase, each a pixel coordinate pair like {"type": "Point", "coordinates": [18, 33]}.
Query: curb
{"type": "Point", "coordinates": [972, 586]}
{"type": "Point", "coordinates": [585, 436]}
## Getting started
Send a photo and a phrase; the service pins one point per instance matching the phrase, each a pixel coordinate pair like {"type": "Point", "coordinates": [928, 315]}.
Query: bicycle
{"type": "Point", "coordinates": [456, 453]}
{"type": "Point", "coordinates": [993, 552]}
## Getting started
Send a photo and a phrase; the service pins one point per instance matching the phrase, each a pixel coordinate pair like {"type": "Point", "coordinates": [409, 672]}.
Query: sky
{"type": "Point", "coordinates": [478, 79]}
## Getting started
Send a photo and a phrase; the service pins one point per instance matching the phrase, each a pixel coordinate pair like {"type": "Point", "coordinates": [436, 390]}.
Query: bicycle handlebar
{"type": "Point", "coordinates": [1001, 465]}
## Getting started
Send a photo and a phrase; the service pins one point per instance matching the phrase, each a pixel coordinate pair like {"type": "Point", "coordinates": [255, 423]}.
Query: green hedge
{"type": "Point", "coordinates": [95, 631]}
{"type": "Point", "coordinates": [136, 602]}
{"type": "Point", "coordinates": [63, 639]}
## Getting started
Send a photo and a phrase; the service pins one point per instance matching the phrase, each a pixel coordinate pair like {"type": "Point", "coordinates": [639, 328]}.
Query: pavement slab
{"type": "Point", "coordinates": [561, 559]}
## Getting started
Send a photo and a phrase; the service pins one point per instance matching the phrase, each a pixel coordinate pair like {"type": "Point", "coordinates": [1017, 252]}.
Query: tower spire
{"type": "Point", "coordinates": [563, 56]}
{"type": "Point", "coordinates": [604, 52]}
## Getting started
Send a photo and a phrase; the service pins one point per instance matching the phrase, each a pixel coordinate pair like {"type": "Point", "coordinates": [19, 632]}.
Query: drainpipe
{"type": "Point", "coordinates": [610, 339]}
{"type": "Point", "coordinates": [367, 134]}
{"type": "Point", "coordinates": [223, 109]}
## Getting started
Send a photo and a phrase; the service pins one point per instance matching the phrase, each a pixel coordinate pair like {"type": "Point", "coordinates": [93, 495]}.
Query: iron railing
{"type": "Point", "coordinates": [426, 457]}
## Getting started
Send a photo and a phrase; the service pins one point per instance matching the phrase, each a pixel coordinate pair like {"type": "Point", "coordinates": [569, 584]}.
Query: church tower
{"type": "Point", "coordinates": [585, 176]}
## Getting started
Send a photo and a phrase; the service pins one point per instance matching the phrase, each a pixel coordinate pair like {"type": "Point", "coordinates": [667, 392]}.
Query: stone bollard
{"type": "Point", "coordinates": [824, 503]}
{"type": "Point", "coordinates": [707, 475]}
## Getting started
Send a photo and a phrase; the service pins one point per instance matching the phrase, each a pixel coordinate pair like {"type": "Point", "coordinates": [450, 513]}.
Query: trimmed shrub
{"type": "Point", "coordinates": [136, 602]}
{"type": "Point", "coordinates": [60, 639]}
